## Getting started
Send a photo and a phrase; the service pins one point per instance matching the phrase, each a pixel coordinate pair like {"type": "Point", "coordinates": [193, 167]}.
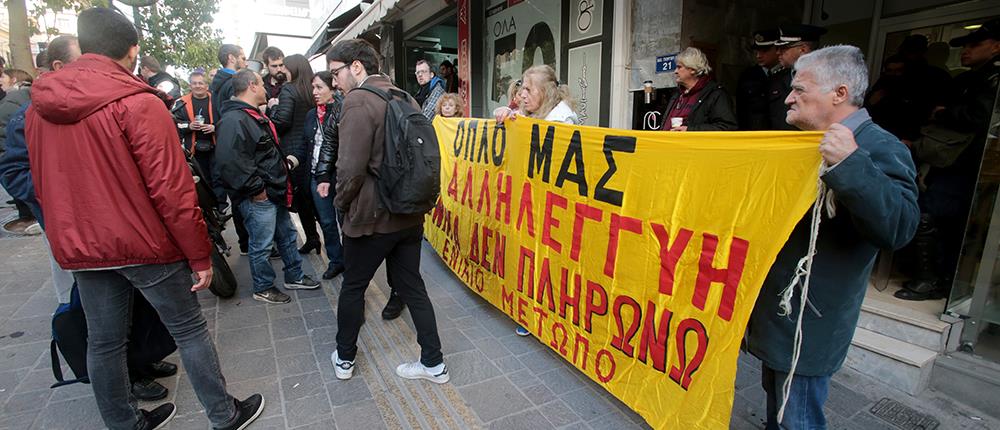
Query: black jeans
{"type": "Point", "coordinates": [362, 257]}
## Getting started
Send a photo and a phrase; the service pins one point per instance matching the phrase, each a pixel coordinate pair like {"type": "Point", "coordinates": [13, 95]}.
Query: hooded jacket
{"type": "Point", "coordinates": [109, 172]}
{"type": "Point", "coordinates": [248, 155]}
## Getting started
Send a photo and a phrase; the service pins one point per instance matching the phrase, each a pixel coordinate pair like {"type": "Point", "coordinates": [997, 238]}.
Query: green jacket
{"type": "Point", "coordinates": [876, 200]}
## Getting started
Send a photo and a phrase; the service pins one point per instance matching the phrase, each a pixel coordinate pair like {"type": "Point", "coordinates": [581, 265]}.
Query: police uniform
{"type": "Point", "coordinates": [752, 87]}
{"type": "Point", "coordinates": [780, 83]}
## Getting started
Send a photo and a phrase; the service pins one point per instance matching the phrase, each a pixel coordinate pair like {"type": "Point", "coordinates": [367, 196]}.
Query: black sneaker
{"type": "Point", "coordinates": [272, 295]}
{"type": "Point", "coordinates": [160, 369]}
{"type": "Point", "coordinates": [246, 412]}
{"type": "Point", "coordinates": [244, 250]}
{"type": "Point", "coordinates": [274, 254]}
{"type": "Point", "coordinates": [306, 283]}
{"type": "Point", "coordinates": [148, 389]}
{"type": "Point", "coordinates": [333, 272]}
{"type": "Point", "coordinates": [393, 308]}
{"type": "Point", "coordinates": [157, 418]}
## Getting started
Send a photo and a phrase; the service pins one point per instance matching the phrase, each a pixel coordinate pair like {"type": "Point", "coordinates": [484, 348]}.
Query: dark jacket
{"type": "Point", "coordinates": [713, 111]}
{"type": "Point", "coordinates": [272, 89]}
{"type": "Point", "coordinates": [129, 199]}
{"type": "Point", "coordinates": [166, 83]}
{"type": "Point", "coordinates": [15, 170]}
{"type": "Point", "coordinates": [326, 169]}
{"type": "Point", "coordinates": [950, 189]}
{"type": "Point", "coordinates": [182, 110]}
{"type": "Point", "coordinates": [779, 85]}
{"type": "Point", "coordinates": [247, 156]}
{"type": "Point", "coordinates": [362, 143]}
{"type": "Point", "coordinates": [221, 89]}
{"type": "Point", "coordinates": [289, 117]}
{"type": "Point", "coordinates": [10, 104]}
{"type": "Point", "coordinates": [876, 202]}
{"type": "Point", "coordinates": [751, 99]}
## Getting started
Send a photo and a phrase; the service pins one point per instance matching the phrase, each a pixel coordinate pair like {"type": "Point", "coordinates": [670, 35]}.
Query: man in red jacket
{"type": "Point", "coordinates": [121, 212]}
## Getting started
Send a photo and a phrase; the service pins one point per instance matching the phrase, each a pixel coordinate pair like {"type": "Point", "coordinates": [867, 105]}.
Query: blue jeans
{"type": "Point", "coordinates": [327, 216]}
{"type": "Point", "coordinates": [267, 222]}
{"type": "Point", "coordinates": [804, 410]}
{"type": "Point", "coordinates": [106, 296]}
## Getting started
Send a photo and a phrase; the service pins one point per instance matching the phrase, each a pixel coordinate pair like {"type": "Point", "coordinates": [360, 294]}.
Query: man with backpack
{"type": "Point", "coordinates": [383, 215]}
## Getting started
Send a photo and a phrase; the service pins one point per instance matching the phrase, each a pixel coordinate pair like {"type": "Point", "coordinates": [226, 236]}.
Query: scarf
{"type": "Point", "coordinates": [685, 103]}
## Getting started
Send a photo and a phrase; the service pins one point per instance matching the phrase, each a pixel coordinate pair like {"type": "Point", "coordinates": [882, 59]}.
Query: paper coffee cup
{"type": "Point", "coordinates": [676, 122]}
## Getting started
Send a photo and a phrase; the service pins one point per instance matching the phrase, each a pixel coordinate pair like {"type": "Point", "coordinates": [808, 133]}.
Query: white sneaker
{"type": "Point", "coordinates": [33, 229]}
{"type": "Point", "coordinates": [437, 374]}
{"type": "Point", "coordinates": [343, 369]}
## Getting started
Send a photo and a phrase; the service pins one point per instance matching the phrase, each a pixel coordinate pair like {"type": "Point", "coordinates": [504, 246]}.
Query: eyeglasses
{"type": "Point", "coordinates": [336, 71]}
{"type": "Point", "coordinates": [422, 72]}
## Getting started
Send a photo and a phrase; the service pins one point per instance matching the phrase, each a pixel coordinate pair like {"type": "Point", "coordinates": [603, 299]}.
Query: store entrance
{"type": "Point", "coordinates": [436, 44]}
{"type": "Point", "coordinates": [957, 244]}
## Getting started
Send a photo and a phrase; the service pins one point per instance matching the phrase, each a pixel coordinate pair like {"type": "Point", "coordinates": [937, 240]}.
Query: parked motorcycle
{"type": "Point", "coordinates": [223, 281]}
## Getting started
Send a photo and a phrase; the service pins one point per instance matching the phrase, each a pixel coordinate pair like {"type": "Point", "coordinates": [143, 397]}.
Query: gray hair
{"type": "Point", "coordinates": [838, 65]}
{"type": "Point", "coordinates": [696, 60]}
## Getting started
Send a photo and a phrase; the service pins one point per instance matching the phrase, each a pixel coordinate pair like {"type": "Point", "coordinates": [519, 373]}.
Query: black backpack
{"type": "Point", "coordinates": [409, 180]}
{"type": "Point", "coordinates": [148, 340]}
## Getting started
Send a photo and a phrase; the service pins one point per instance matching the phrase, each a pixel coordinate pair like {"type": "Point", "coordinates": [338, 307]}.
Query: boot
{"type": "Point", "coordinates": [393, 308]}
{"type": "Point", "coordinates": [925, 250]}
{"type": "Point", "coordinates": [922, 290]}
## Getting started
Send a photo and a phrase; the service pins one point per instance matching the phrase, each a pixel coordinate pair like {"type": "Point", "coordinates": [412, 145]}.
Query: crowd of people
{"type": "Point", "coordinates": [305, 141]}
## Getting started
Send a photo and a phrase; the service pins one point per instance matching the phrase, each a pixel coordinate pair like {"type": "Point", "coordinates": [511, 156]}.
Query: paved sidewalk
{"type": "Point", "coordinates": [498, 380]}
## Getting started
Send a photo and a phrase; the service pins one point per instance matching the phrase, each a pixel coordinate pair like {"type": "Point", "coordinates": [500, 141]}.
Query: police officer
{"type": "Point", "coordinates": [752, 88]}
{"type": "Point", "coordinates": [794, 40]}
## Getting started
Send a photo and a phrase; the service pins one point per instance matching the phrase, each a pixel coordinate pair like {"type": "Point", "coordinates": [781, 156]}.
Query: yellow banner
{"type": "Point", "coordinates": [636, 256]}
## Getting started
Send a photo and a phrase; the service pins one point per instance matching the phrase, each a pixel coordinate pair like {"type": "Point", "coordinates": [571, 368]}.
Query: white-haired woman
{"type": "Point", "coordinates": [700, 103]}
{"type": "Point", "coordinates": [539, 95]}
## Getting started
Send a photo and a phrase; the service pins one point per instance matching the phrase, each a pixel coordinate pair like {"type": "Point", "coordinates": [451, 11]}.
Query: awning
{"type": "Point", "coordinates": [336, 24]}
{"type": "Point", "coordinates": [378, 10]}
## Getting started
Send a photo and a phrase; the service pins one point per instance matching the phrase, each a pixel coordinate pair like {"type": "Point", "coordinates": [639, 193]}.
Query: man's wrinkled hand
{"type": "Point", "coordinates": [837, 144]}
{"type": "Point", "coordinates": [204, 278]}
{"type": "Point", "coordinates": [323, 189]}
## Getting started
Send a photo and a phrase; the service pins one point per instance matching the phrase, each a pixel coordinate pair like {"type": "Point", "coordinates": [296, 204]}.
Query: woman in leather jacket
{"type": "Point", "coordinates": [320, 136]}
{"type": "Point", "coordinates": [289, 113]}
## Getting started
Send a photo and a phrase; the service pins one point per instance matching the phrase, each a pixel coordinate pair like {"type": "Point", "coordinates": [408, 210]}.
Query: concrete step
{"type": "Point", "coordinates": [891, 318]}
{"type": "Point", "coordinates": [894, 362]}
{"type": "Point", "coordinates": [973, 379]}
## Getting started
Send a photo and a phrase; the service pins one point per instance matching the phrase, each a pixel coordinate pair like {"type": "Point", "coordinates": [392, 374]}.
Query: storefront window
{"type": "Point", "coordinates": [518, 36]}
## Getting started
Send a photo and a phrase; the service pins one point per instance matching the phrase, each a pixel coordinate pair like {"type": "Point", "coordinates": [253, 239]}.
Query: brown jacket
{"type": "Point", "coordinates": [362, 140]}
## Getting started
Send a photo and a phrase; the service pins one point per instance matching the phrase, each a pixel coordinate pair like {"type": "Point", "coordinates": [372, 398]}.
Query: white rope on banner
{"type": "Point", "coordinates": [803, 272]}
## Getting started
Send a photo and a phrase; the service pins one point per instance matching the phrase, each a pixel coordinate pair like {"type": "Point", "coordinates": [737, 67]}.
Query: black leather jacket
{"type": "Point", "coordinates": [247, 157]}
{"type": "Point", "coordinates": [289, 117]}
{"type": "Point", "coordinates": [326, 167]}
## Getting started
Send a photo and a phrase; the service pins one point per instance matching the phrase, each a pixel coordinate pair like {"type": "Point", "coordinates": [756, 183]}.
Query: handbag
{"type": "Point", "coordinates": [940, 146]}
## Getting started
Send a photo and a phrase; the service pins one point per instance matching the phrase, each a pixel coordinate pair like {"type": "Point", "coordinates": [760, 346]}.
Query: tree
{"type": "Point", "coordinates": [20, 36]}
{"type": "Point", "coordinates": [179, 32]}
{"type": "Point", "coordinates": [176, 32]}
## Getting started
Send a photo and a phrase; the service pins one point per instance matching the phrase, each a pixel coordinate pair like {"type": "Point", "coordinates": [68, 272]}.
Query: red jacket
{"type": "Point", "coordinates": [109, 171]}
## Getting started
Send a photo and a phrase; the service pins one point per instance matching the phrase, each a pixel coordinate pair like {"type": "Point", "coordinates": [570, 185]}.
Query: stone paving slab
{"type": "Point", "coordinates": [499, 380]}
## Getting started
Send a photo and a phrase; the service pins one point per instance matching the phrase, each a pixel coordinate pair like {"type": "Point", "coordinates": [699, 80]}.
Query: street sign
{"type": "Point", "coordinates": [666, 63]}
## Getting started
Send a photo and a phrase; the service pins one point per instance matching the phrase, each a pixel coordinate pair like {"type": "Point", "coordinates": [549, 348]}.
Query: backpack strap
{"type": "Point", "coordinates": [57, 369]}
{"type": "Point", "coordinates": [378, 91]}
{"type": "Point", "coordinates": [56, 363]}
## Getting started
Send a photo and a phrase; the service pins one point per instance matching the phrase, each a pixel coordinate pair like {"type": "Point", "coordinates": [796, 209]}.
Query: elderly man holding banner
{"type": "Point", "coordinates": [872, 179]}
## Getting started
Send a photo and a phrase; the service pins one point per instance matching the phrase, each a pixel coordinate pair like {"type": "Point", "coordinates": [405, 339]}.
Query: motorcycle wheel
{"type": "Point", "coordinates": [223, 280]}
